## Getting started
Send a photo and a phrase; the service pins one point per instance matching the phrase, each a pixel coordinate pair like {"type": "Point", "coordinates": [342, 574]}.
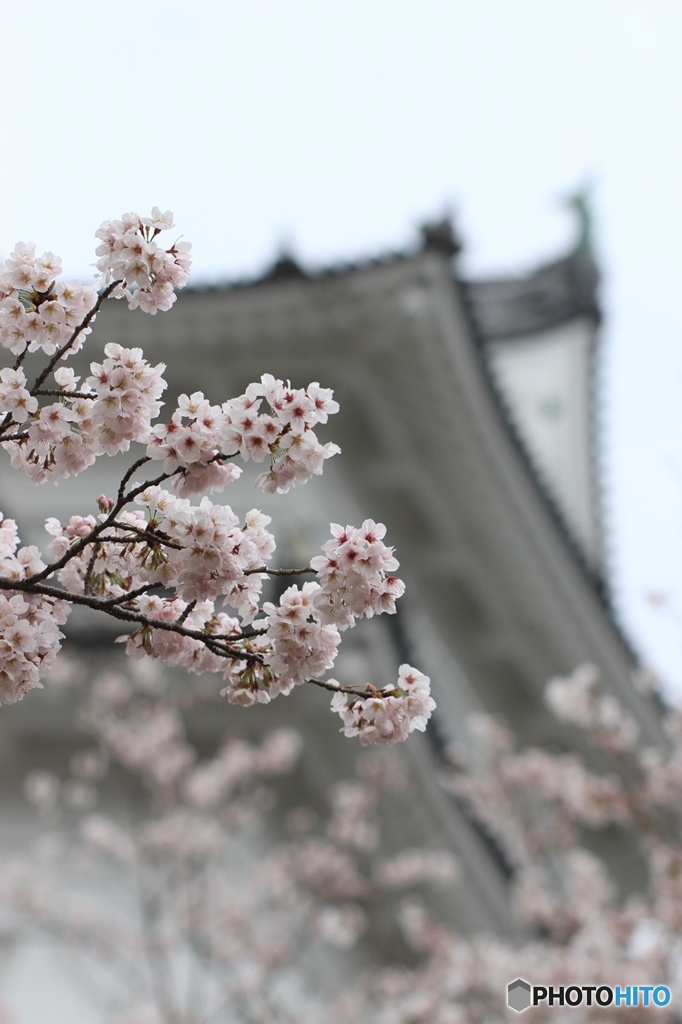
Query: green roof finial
{"type": "Point", "coordinates": [579, 202]}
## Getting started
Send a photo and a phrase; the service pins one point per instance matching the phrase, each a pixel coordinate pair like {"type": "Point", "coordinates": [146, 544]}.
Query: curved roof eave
{"type": "Point", "coordinates": [554, 294]}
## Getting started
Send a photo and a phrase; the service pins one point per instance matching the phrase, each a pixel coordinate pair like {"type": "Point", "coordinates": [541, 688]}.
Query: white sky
{"type": "Point", "coordinates": [337, 127]}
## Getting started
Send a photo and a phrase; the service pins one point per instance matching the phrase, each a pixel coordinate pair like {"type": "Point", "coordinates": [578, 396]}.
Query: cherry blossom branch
{"type": "Point", "coordinates": [150, 537]}
{"type": "Point", "coordinates": [186, 613]}
{"type": "Point", "coordinates": [367, 692]}
{"type": "Point", "coordinates": [263, 570]}
{"type": "Point", "coordinates": [140, 536]}
{"type": "Point", "coordinates": [94, 535]}
{"type": "Point", "coordinates": [126, 598]}
{"type": "Point", "coordinates": [126, 478]}
{"type": "Point", "coordinates": [247, 633]}
{"type": "Point", "coordinates": [59, 354]}
{"type": "Point", "coordinates": [58, 393]}
{"type": "Point", "coordinates": [106, 606]}
{"type": "Point", "coordinates": [85, 323]}
{"type": "Point", "coordinates": [87, 582]}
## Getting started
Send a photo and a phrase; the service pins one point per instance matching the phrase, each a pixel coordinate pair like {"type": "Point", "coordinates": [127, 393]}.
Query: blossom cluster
{"type": "Point", "coordinates": [36, 311]}
{"type": "Point", "coordinates": [130, 254]}
{"type": "Point", "coordinates": [15, 399]}
{"type": "Point", "coordinates": [199, 551]}
{"type": "Point", "coordinates": [576, 699]}
{"type": "Point", "coordinates": [203, 827]}
{"type": "Point", "coordinates": [206, 552]}
{"type": "Point", "coordinates": [388, 715]}
{"type": "Point", "coordinates": [188, 648]}
{"type": "Point", "coordinates": [114, 407]}
{"type": "Point", "coordinates": [355, 575]}
{"type": "Point", "coordinates": [126, 392]}
{"type": "Point", "coordinates": [199, 438]}
{"type": "Point", "coordinates": [203, 554]}
{"type": "Point", "coordinates": [187, 577]}
{"type": "Point", "coordinates": [302, 647]}
{"type": "Point", "coordinates": [331, 882]}
{"type": "Point", "coordinates": [29, 623]}
{"type": "Point", "coordinates": [283, 432]}
{"type": "Point", "coordinates": [190, 446]}
{"type": "Point", "coordinates": [58, 443]}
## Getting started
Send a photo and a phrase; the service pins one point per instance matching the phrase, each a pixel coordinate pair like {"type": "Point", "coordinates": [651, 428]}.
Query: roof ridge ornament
{"type": "Point", "coordinates": [440, 236]}
{"type": "Point", "coordinates": [285, 267]}
{"type": "Point", "coordinates": [580, 202]}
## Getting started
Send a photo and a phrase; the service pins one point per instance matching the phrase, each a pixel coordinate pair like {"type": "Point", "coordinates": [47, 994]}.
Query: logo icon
{"type": "Point", "coordinates": [518, 995]}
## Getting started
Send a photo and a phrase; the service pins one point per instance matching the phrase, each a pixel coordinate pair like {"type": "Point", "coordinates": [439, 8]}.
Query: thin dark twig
{"type": "Point", "coordinates": [244, 634]}
{"type": "Point", "coordinates": [110, 602]}
{"type": "Point", "coordinates": [97, 530]}
{"type": "Point", "coordinates": [369, 691]}
{"type": "Point", "coordinates": [223, 645]}
{"type": "Point", "coordinates": [87, 582]}
{"type": "Point", "coordinates": [212, 641]}
{"type": "Point", "coordinates": [127, 475]}
{"type": "Point", "coordinates": [161, 478]}
{"type": "Point", "coordinates": [85, 322]}
{"type": "Point", "coordinates": [20, 358]}
{"type": "Point", "coordinates": [278, 572]}
{"type": "Point", "coordinates": [147, 535]}
{"type": "Point", "coordinates": [57, 393]}
{"type": "Point", "coordinates": [188, 611]}
{"type": "Point", "coordinates": [13, 437]}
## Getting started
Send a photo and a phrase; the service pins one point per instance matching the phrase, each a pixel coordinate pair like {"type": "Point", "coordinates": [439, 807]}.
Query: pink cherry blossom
{"type": "Point", "coordinates": [388, 715]}
{"type": "Point", "coordinates": [182, 570]}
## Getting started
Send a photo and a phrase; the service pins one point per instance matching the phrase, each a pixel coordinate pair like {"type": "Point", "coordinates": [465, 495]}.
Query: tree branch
{"type": "Point", "coordinates": [263, 569]}
{"type": "Point", "coordinates": [85, 322]}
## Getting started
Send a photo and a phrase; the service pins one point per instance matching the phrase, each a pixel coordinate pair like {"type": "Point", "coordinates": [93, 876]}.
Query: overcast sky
{"type": "Point", "coordinates": [336, 127]}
